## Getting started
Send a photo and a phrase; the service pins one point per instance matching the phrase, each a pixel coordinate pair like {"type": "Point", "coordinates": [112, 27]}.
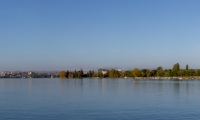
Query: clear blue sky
{"type": "Point", "coordinates": [90, 34]}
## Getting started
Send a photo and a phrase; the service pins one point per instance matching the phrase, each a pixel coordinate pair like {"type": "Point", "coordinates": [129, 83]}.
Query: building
{"type": "Point", "coordinates": [29, 73]}
{"type": "Point", "coordinates": [2, 74]}
{"type": "Point", "coordinates": [103, 71]}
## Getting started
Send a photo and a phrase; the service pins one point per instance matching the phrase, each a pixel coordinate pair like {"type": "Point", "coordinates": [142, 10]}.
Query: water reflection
{"type": "Point", "coordinates": [114, 86]}
{"type": "Point", "coordinates": [30, 84]}
{"type": "Point", "coordinates": [98, 98]}
{"type": "Point", "coordinates": [164, 87]}
{"type": "Point", "coordinates": [176, 88]}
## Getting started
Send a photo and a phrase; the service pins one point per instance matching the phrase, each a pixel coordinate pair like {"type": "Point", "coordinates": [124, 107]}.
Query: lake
{"type": "Point", "coordinates": [99, 99]}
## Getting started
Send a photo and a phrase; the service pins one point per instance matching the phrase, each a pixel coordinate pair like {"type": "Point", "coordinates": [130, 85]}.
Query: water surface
{"type": "Point", "coordinates": [99, 99]}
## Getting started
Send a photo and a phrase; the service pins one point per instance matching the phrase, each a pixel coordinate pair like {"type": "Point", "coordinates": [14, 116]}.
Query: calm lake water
{"type": "Point", "coordinates": [99, 99]}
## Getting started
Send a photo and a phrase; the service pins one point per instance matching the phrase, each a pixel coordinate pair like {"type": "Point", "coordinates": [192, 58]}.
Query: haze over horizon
{"type": "Point", "coordinates": [92, 34]}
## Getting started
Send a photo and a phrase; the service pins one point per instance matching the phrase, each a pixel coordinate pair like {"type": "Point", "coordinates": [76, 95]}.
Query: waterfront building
{"type": "Point", "coordinates": [2, 74]}
{"type": "Point", "coordinates": [103, 71]}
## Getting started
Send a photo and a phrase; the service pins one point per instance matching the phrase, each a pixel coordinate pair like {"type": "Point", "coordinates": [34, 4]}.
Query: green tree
{"type": "Point", "coordinates": [111, 73]}
{"type": "Point", "coordinates": [181, 73]}
{"type": "Point", "coordinates": [171, 73]}
{"type": "Point", "coordinates": [153, 73]}
{"type": "Point", "coordinates": [100, 74]}
{"type": "Point", "coordinates": [167, 74]}
{"type": "Point", "coordinates": [148, 73]}
{"type": "Point", "coordinates": [136, 72]}
{"type": "Point", "coordinates": [89, 74]}
{"type": "Point", "coordinates": [62, 74]}
{"type": "Point", "coordinates": [128, 73]}
{"type": "Point", "coordinates": [187, 67]}
{"type": "Point", "coordinates": [80, 74]}
{"type": "Point", "coordinates": [71, 75]}
{"type": "Point", "coordinates": [142, 74]}
{"type": "Point", "coordinates": [187, 73]}
{"type": "Point", "coordinates": [114, 73]}
{"type": "Point", "coordinates": [160, 72]}
{"type": "Point", "coordinates": [159, 68]}
{"type": "Point", "coordinates": [176, 67]}
{"type": "Point", "coordinates": [198, 73]}
{"type": "Point", "coordinates": [117, 74]}
{"type": "Point", "coordinates": [67, 73]}
{"type": "Point", "coordinates": [94, 74]}
{"type": "Point", "coordinates": [75, 74]}
{"type": "Point", "coordinates": [192, 72]}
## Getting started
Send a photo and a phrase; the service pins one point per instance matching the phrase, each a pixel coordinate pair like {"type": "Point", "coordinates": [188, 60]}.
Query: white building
{"type": "Point", "coordinates": [119, 70]}
{"type": "Point", "coordinates": [104, 72]}
{"type": "Point", "coordinates": [29, 73]}
{"type": "Point", "coordinates": [2, 74]}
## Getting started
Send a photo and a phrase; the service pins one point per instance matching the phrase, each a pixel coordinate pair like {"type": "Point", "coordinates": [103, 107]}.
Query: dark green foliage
{"type": "Point", "coordinates": [187, 67]}
{"type": "Point", "coordinates": [75, 74]}
{"type": "Point", "coordinates": [159, 72]}
{"type": "Point", "coordinates": [192, 72]}
{"type": "Point", "coordinates": [176, 67]}
{"type": "Point", "coordinates": [167, 73]}
{"type": "Point", "coordinates": [128, 74]}
{"type": "Point", "coordinates": [198, 73]}
{"type": "Point", "coordinates": [114, 74]}
{"type": "Point", "coordinates": [136, 73]}
{"type": "Point", "coordinates": [187, 73]}
{"type": "Point", "coordinates": [159, 68]}
{"type": "Point", "coordinates": [153, 73]}
{"type": "Point", "coordinates": [80, 74]}
{"type": "Point", "coordinates": [100, 74]}
{"type": "Point", "coordinates": [89, 74]}
{"type": "Point", "coordinates": [67, 73]}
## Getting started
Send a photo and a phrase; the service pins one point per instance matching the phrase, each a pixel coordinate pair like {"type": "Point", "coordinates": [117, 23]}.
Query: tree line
{"type": "Point", "coordinates": [176, 71]}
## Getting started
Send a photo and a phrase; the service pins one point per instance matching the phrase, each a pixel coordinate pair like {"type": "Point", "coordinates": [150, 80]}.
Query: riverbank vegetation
{"type": "Point", "coordinates": [176, 71]}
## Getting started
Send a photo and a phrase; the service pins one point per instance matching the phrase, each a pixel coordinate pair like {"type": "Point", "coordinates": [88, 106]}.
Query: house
{"type": "Point", "coordinates": [103, 71]}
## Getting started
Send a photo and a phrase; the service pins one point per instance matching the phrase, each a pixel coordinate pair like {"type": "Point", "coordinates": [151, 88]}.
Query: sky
{"type": "Point", "coordinates": [91, 34]}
